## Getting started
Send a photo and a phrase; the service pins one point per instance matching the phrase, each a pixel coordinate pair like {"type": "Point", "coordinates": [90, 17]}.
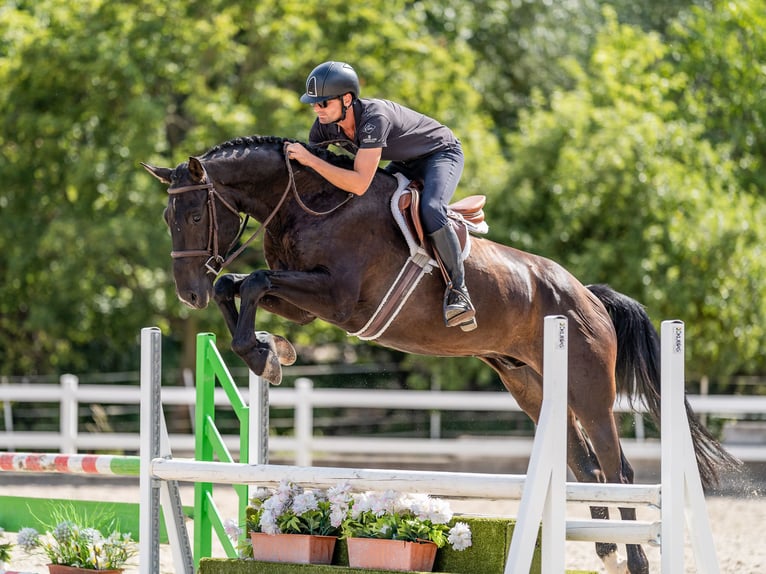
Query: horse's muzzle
{"type": "Point", "coordinates": [194, 299]}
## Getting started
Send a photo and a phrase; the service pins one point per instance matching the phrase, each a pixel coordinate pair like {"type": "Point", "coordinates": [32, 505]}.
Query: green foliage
{"type": "Point", "coordinates": [395, 527]}
{"type": "Point", "coordinates": [90, 89]}
{"type": "Point", "coordinates": [722, 51]}
{"type": "Point", "coordinates": [289, 509]}
{"type": "Point", "coordinates": [619, 184]}
{"type": "Point", "coordinates": [80, 540]}
{"type": "Point", "coordinates": [392, 515]}
{"type": "Point", "coordinates": [625, 140]}
{"type": "Point", "coordinates": [5, 548]}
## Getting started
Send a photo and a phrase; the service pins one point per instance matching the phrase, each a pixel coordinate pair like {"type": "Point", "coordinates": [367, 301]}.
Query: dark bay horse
{"type": "Point", "coordinates": [334, 259]}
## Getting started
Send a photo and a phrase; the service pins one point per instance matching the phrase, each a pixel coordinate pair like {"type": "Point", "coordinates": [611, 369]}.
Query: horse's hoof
{"type": "Point", "coordinates": [272, 371]}
{"type": "Point", "coordinates": [285, 350]}
{"type": "Point", "coordinates": [614, 564]}
{"type": "Point", "coordinates": [263, 362]}
{"type": "Point", "coordinates": [278, 345]}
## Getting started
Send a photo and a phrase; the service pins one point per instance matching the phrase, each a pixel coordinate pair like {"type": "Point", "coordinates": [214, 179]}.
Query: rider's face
{"type": "Point", "coordinates": [329, 111]}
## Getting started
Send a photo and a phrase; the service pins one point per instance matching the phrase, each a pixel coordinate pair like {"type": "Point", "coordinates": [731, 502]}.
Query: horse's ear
{"type": "Point", "coordinates": [195, 169]}
{"type": "Point", "coordinates": [161, 173]}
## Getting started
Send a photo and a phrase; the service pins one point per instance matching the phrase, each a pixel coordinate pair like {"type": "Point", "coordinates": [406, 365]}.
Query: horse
{"type": "Point", "coordinates": [333, 256]}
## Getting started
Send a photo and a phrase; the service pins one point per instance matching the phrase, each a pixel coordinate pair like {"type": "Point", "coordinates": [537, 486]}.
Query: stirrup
{"type": "Point", "coordinates": [460, 312]}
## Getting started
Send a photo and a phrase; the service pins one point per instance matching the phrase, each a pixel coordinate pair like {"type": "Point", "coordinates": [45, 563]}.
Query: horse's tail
{"type": "Point", "coordinates": [638, 373]}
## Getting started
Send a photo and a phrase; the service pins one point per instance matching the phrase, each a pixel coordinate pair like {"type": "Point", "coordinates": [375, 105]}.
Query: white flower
{"type": "Point", "coordinates": [63, 531]}
{"type": "Point", "coordinates": [337, 516]}
{"type": "Point", "coordinates": [460, 536]}
{"type": "Point", "coordinates": [339, 494]}
{"type": "Point", "coordinates": [90, 534]}
{"type": "Point", "coordinates": [232, 529]}
{"type": "Point", "coordinates": [268, 522]}
{"type": "Point", "coordinates": [304, 502]}
{"type": "Point", "coordinates": [386, 502]}
{"type": "Point", "coordinates": [275, 505]}
{"type": "Point", "coordinates": [256, 500]}
{"type": "Point", "coordinates": [287, 490]}
{"type": "Point", "coordinates": [28, 539]}
{"type": "Point", "coordinates": [362, 503]}
{"type": "Point", "coordinates": [434, 509]}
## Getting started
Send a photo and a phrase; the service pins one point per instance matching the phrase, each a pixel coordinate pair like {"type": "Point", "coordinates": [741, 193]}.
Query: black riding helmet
{"type": "Point", "coordinates": [330, 80]}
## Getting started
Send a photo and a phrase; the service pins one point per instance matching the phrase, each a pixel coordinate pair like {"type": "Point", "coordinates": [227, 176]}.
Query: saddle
{"type": "Point", "coordinates": [466, 216]}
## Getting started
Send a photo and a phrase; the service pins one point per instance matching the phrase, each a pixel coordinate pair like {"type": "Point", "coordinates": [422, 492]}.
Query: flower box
{"type": "Point", "coordinates": [62, 569]}
{"type": "Point", "coordinates": [385, 554]}
{"type": "Point", "coordinates": [293, 548]}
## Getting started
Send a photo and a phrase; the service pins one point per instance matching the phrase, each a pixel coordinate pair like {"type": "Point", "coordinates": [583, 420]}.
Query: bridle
{"type": "Point", "coordinates": [216, 262]}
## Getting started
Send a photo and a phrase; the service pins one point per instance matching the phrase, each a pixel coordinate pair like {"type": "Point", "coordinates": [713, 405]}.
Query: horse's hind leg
{"type": "Point", "coordinates": [602, 433]}
{"type": "Point", "coordinates": [526, 386]}
{"type": "Point", "coordinates": [585, 466]}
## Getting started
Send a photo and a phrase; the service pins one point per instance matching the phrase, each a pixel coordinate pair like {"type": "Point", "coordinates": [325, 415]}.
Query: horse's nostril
{"type": "Point", "coordinates": [191, 297]}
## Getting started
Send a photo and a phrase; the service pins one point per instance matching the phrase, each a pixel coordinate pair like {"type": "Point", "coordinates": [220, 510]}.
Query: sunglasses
{"type": "Point", "coordinates": [324, 103]}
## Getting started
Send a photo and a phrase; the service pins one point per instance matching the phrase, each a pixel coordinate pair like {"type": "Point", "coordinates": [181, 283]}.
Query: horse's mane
{"type": "Point", "coordinates": [246, 142]}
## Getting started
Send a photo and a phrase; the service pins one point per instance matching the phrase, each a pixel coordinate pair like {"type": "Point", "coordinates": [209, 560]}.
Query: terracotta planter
{"type": "Point", "coordinates": [293, 548]}
{"type": "Point", "coordinates": [376, 553]}
{"type": "Point", "coordinates": [61, 569]}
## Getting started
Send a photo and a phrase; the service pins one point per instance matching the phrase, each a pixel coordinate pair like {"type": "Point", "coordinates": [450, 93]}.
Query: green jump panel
{"type": "Point", "coordinates": [18, 512]}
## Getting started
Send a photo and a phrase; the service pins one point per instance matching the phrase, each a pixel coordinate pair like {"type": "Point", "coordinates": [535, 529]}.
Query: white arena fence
{"type": "Point", "coordinates": [543, 491]}
{"type": "Point", "coordinates": [304, 398]}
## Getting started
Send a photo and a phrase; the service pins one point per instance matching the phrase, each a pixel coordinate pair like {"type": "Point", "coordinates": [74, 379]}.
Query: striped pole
{"type": "Point", "coordinates": [69, 463]}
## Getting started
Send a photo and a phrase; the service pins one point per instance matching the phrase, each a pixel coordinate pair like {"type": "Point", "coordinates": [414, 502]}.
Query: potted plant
{"type": "Point", "coordinates": [396, 531]}
{"type": "Point", "coordinates": [5, 552]}
{"type": "Point", "coordinates": [290, 524]}
{"type": "Point", "coordinates": [73, 547]}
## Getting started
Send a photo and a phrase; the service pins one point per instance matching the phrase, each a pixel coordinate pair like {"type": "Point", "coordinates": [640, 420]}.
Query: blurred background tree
{"type": "Point", "coordinates": [624, 140]}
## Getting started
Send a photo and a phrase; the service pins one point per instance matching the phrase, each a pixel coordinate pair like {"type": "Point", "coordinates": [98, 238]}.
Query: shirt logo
{"type": "Point", "coordinates": [368, 128]}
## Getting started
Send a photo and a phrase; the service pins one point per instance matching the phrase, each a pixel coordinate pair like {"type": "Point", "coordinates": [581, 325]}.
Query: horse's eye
{"type": "Point", "coordinates": [196, 218]}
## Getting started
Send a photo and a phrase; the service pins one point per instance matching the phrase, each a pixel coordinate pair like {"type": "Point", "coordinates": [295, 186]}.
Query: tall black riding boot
{"type": "Point", "coordinates": [458, 309]}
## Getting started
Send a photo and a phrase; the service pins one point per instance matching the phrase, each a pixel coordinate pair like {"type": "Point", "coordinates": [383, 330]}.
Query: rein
{"type": "Point", "coordinates": [291, 185]}
{"type": "Point", "coordinates": [215, 262]}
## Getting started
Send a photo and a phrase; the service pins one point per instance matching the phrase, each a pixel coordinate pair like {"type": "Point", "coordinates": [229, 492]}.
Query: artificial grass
{"type": "Point", "coordinates": [491, 541]}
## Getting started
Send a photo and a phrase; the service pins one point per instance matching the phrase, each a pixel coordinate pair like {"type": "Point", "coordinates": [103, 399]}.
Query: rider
{"type": "Point", "coordinates": [416, 145]}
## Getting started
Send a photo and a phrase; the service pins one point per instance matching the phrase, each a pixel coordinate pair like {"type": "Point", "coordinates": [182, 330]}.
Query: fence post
{"type": "Point", "coordinates": [68, 425]}
{"type": "Point", "coordinates": [672, 373]}
{"type": "Point", "coordinates": [203, 450]}
{"type": "Point", "coordinates": [7, 412]}
{"type": "Point", "coordinates": [544, 496]}
{"type": "Point", "coordinates": [149, 492]}
{"type": "Point", "coordinates": [304, 421]}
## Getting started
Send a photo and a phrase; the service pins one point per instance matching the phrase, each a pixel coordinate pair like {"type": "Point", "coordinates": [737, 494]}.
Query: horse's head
{"type": "Point", "coordinates": [203, 226]}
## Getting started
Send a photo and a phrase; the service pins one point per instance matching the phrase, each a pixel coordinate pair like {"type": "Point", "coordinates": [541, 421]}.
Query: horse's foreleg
{"type": "Point", "coordinates": [262, 352]}
{"type": "Point", "coordinates": [225, 290]}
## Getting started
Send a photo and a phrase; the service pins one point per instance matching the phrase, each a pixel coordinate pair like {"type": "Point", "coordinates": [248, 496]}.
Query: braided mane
{"type": "Point", "coordinates": [246, 142]}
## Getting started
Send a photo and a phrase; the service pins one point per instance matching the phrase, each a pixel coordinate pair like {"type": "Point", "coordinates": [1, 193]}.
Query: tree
{"type": "Point", "coordinates": [616, 182]}
{"type": "Point", "coordinates": [89, 89]}
{"type": "Point", "coordinates": [722, 51]}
